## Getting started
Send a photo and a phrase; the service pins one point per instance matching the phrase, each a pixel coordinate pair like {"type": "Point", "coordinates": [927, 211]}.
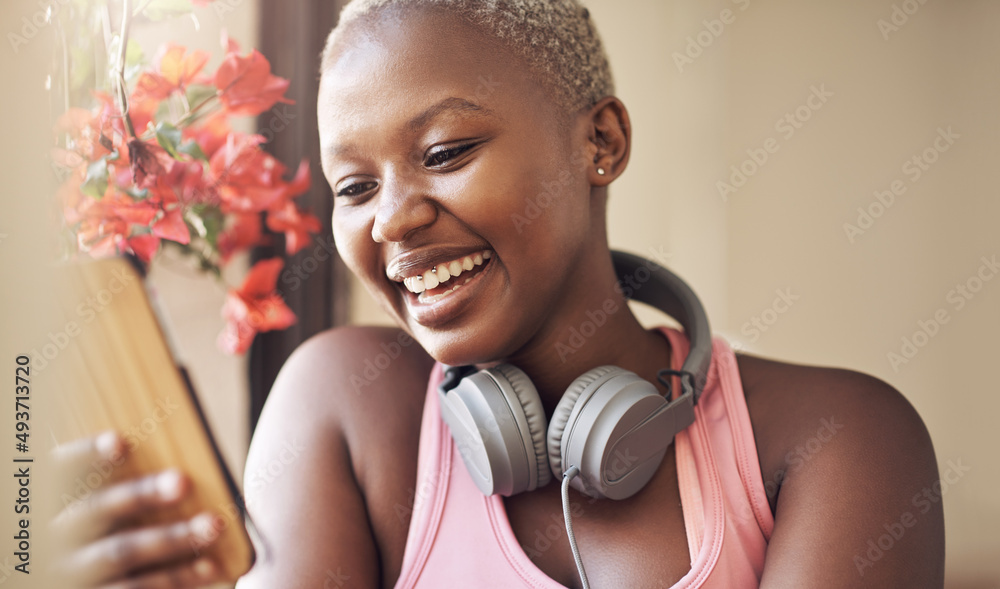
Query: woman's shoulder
{"type": "Point", "coordinates": [796, 407]}
{"type": "Point", "coordinates": [341, 423]}
{"type": "Point", "coordinates": [365, 381]}
{"type": "Point", "coordinates": [839, 442]}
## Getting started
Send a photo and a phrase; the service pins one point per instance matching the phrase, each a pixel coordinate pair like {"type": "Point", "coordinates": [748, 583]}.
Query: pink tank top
{"type": "Point", "coordinates": [726, 514]}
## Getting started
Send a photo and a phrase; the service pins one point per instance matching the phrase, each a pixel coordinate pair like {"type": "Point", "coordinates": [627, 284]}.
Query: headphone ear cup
{"type": "Point", "coordinates": [560, 417]}
{"type": "Point", "coordinates": [602, 426]}
{"type": "Point", "coordinates": [498, 424]}
{"type": "Point", "coordinates": [525, 396]}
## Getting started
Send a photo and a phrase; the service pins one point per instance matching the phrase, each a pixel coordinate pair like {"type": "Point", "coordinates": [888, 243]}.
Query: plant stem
{"type": "Point", "coordinates": [122, 49]}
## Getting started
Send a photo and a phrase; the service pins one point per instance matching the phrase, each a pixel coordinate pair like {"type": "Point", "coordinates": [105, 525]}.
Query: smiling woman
{"type": "Point", "coordinates": [433, 178]}
{"type": "Point", "coordinates": [776, 481]}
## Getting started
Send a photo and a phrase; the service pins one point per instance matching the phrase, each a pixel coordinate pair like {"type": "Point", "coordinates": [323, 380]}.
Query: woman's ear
{"type": "Point", "coordinates": [609, 141]}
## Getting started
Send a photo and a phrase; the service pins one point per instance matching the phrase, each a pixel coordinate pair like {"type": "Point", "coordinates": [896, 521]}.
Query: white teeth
{"type": "Point", "coordinates": [414, 284]}
{"type": "Point", "coordinates": [430, 280]}
{"type": "Point", "coordinates": [443, 273]}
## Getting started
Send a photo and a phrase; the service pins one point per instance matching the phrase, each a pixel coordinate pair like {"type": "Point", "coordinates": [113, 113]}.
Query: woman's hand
{"type": "Point", "coordinates": [102, 545]}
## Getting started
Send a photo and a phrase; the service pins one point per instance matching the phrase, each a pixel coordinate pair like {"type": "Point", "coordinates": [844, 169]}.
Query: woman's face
{"type": "Point", "coordinates": [449, 162]}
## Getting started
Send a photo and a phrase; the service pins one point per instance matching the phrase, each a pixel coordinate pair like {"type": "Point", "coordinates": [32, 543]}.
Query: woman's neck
{"type": "Point", "coordinates": [598, 328]}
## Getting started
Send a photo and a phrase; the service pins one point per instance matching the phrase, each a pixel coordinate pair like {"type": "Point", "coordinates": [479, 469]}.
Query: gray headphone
{"type": "Point", "coordinates": [611, 424]}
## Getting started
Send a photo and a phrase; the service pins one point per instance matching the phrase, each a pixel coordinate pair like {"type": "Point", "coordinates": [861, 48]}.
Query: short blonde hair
{"type": "Point", "coordinates": [555, 38]}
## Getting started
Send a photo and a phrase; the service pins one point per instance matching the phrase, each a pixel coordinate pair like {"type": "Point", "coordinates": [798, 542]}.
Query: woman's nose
{"type": "Point", "coordinates": [403, 207]}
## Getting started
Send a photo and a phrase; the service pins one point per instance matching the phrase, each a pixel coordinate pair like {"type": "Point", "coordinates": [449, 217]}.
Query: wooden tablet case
{"type": "Point", "coordinates": [117, 372]}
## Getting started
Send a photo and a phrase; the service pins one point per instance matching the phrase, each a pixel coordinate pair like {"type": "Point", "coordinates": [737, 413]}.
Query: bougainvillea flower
{"type": "Point", "coordinates": [185, 182]}
{"type": "Point", "coordinates": [210, 133]}
{"type": "Point", "coordinates": [172, 226]}
{"type": "Point", "coordinates": [147, 161]}
{"type": "Point", "coordinates": [243, 233]}
{"type": "Point", "coordinates": [174, 71]}
{"type": "Point", "coordinates": [143, 246]}
{"type": "Point", "coordinates": [247, 178]}
{"type": "Point", "coordinates": [84, 131]}
{"type": "Point", "coordinates": [254, 308]}
{"type": "Point", "coordinates": [246, 86]}
{"type": "Point", "coordinates": [296, 225]}
{"type": "Point", "coordinates": [301, 182]}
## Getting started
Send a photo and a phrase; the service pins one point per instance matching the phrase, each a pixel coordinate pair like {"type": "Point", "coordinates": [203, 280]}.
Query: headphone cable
{"type": "Point", "coordinates": [567, 477]}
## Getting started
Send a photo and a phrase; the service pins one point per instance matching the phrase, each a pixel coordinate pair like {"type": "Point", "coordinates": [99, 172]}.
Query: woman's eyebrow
{"type": "Point", "coordinates": [450, 104]}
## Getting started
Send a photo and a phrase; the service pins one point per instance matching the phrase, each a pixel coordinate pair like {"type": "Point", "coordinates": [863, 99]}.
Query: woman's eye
{"type": "Point", "coordinates": [443, 156]}
{"type": "Point", "coordinates": [356, 189]}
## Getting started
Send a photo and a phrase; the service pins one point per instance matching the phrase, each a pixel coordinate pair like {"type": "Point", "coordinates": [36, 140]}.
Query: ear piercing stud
{"type": "Point", "coordinates": [600, 171]}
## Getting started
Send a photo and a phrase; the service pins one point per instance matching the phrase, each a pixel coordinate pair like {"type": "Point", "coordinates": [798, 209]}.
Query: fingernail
{"type": "Point", "coordinates": [203, 526]}
{"type": "Point", "coordinates": [204, 569]}
{"type": "Point", "coordinates": [168, 485]}
{"type": "Point", "coordinates": [107, 444]}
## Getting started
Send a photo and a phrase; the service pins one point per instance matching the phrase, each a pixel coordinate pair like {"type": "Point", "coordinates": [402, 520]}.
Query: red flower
{"type": "Point", "coordinates": [174, 71]}
{"type": "Point", "coordinates": [254, 308]}
{"type": "Point", "coordinates": [87, 135]}
{"type": "Point", "coordinates": [246, 86]}
{"type": "Point", "coordinates": [247, 178]}
{"type": "Point", "coordinates": [295, 224]}
{"type": "Point", "coordinates": [172, 226]}
{"type": "Point", "coordinates": [105, 226]}
{"type": "Point", "coordinates": [185, 182]}
{"type": "Point", "coordinates": [244, 233]}
{"type": "Point", "coordinates": [210, 133]}
{"type": "Point", "coordinates": [147, 161]}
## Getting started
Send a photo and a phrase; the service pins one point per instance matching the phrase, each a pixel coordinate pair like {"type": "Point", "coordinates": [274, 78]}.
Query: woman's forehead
{"type": "Point", "coordinates": [406, 69]}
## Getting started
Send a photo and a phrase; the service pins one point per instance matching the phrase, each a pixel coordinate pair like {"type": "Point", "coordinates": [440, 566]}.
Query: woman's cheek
{"type": "Point", "coordinates": [353, 242]}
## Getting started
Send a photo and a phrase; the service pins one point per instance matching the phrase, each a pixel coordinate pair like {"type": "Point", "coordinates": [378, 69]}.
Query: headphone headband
{"type": "Point", "coordinates": [668, 293]}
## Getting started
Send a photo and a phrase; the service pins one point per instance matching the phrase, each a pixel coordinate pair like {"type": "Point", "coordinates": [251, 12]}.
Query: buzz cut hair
{"type": "Point", "coordinates": [555, 38]}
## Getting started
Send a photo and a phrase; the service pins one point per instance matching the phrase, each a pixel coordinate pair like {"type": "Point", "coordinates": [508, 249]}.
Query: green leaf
{"type": "Point", "coordinates": [198, 93]}
{"type": "Point", "coordinates": [135, 60]}
{"type": "Point", "coordinates": [169, 138]}
{"type": "Point", "coordinates": [137, 194]}
{"type": "Point", "coordinates": [133, 53]}
{"type": "Point", "coordinates": [96, 183]}
{"type": "Point", "coordinates": [192, 148]}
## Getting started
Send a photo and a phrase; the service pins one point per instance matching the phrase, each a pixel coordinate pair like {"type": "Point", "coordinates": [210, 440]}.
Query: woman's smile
{"type": "Point", "coordinates": [443, 291]}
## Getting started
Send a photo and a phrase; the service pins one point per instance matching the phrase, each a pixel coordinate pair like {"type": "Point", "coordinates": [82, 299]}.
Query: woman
{"type": "Point", "coordinates": [441, 124]}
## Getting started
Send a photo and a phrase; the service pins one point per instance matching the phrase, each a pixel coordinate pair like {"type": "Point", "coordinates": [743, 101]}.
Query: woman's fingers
{"type": "Point", "coordinates": [86, 464]}
{"type": "Point", "coordinates": [105, 510]}
{"type": "Point", "coordinates": [81, 453]}
{"type": "Point", "coordinates": [130, 553]}
{"type": "Point", "coordinates": [196, 574]}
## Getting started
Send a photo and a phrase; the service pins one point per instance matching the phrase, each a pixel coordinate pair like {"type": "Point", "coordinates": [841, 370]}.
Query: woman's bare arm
{"type": "Point", "coordinates": [304, 479]}
{"type": "Point", "coordinates": [851, 474]}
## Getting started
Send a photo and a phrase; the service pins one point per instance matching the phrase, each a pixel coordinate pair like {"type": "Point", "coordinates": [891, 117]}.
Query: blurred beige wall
{"type": "Point", "coordinates": [25, 289]}
{"type": "Point", "coordinates": [863, 100]}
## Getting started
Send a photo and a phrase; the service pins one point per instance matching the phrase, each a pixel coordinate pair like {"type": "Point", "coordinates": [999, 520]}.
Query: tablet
{"type": "Point", "coordinates": [115, 371]}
